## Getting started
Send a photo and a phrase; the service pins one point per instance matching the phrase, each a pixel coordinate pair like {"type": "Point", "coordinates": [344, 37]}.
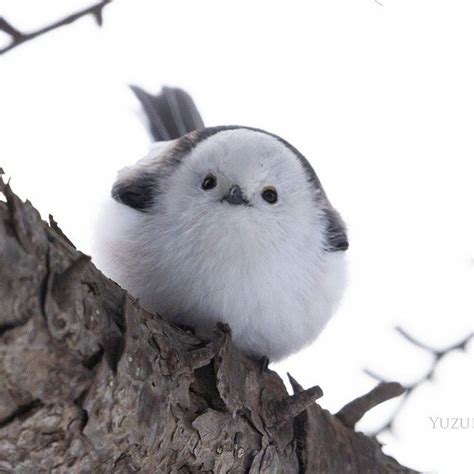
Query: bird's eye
{"type": "Point", "coordinates": [209, 182]}
{"type": "Point", "coordinates": [270, 195]}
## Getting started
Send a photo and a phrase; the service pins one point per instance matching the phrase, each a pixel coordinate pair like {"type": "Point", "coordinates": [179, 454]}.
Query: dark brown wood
{"type": "Point", "coordinates": [90, 382]}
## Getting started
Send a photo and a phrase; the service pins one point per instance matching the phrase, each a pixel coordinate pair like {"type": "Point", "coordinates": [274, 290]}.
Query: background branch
{"type": "Point", "coordinates": [18, 37]}
{"type": "Point", "coordinates": [438, 355]}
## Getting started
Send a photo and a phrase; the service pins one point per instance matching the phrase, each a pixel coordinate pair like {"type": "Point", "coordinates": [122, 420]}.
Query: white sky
{"type": "Point", "coordinates": [380, 99]}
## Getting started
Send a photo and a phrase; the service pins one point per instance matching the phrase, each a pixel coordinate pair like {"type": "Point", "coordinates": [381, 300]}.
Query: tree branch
{"type": "Point", "coordinates": [90, 382]}
{"type": "Point", "coordinates": [438, 355]}
{"type": "Point", "coordinates": [351, 413]}
{"type": "Point", "coordinates": [18, 37]}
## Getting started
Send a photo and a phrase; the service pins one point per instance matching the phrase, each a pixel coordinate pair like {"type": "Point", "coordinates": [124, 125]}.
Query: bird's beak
{"type": "Point", "coordinates": [235, 196]}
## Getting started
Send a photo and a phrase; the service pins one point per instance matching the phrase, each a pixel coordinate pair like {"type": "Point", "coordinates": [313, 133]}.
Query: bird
{"type": "Point", "coordinates": [224, 224]}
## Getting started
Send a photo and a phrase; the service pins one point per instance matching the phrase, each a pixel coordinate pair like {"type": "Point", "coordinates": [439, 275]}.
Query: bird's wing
{"type": "Point", "coordinates": [336, 234]}
{"type": "Point", "coordinates": [171, 114]}
{"type": "Point", "coordinates": [136, 185]}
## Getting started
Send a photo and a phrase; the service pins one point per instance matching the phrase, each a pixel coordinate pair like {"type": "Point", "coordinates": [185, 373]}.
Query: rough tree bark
{"type": "Point", "coordinates": [90, 382]}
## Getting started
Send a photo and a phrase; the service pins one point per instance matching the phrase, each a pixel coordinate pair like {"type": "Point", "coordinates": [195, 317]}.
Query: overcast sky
{"type": "Point", "coordinates": [378, 96]}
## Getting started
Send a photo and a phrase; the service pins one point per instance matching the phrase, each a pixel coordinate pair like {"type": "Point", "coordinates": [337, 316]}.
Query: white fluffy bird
{"type": "Point", "coordinates": [226, 224]}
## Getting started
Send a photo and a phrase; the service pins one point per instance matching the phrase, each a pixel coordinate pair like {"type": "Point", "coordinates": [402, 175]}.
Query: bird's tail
{"type": "Point", "coordinates": [171, 114]}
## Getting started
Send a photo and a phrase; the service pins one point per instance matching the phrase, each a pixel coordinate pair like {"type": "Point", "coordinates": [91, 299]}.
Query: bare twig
{"type": "Point", "coordinates": [437, 354]}
{"type": "Point", "coordinates": [351, 413]}
{"type": "Point", "coordinates": [18, 37]}
{"type": "Point", "coordinates": [292, 406]}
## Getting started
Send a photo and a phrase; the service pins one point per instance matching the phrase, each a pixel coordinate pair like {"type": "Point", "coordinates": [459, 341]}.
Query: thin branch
{"type": "Point", "coordinates": [351, 413]}
{"type": "Point", "coordinates": [438, 355]}
{"type": "Point", "coordinates": [414, 341]}
{"type": "Point", "coordinates": [18, 37]}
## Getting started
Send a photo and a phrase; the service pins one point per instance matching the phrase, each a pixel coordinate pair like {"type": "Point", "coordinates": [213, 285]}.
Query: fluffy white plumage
{"type": "Point", "coordinates": [262, 268]}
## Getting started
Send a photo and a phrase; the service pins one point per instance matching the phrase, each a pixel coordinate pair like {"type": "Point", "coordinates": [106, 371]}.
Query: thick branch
{"type": "Point", "coordinates": [18, 37]}
{"type": "Point", "coordinates": [93, 383]}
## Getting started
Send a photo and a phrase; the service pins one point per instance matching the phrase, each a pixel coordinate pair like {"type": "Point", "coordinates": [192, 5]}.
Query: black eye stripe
{"type": "Point", "coordinates": [209, 182]}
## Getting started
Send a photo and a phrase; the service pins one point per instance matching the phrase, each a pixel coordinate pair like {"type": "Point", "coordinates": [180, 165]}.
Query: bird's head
{"type": "Point", "coordinates": [229, 180]}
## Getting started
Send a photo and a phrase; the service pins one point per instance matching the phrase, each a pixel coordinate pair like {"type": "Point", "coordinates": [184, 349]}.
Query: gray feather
{"type": "Point", "coordinates": [336, 234]}
{"type": "Point", "coordinates": [171, 114]}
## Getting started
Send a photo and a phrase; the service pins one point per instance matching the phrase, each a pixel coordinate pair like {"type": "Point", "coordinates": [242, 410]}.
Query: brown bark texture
{"type": "Point", "coordinates": [90, 382]}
